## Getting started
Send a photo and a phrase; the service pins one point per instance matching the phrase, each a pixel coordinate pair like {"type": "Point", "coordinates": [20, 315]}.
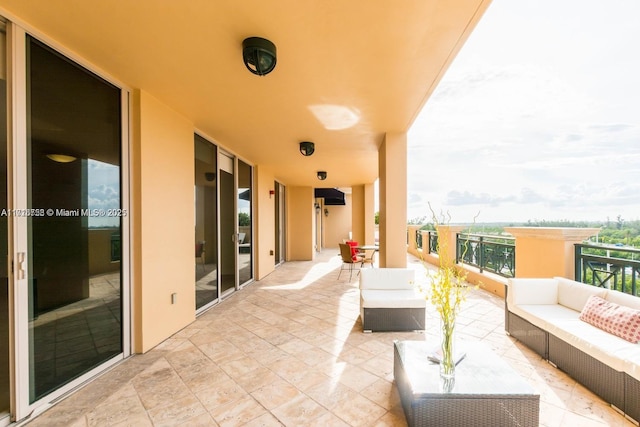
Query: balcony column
{"type": "Point", "coordinates": [447, 241]}
{"type": "Point", "coordinates": [300, 224]}
{"type": "Point", "coordinates": [392, 170]}
{"type": "Point", "coordinates": [547, 252]}
{"type": "Point", "coordinates": [362, 214]}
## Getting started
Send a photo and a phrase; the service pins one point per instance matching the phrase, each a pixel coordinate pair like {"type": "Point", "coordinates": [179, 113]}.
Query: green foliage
{"type": "Point", "coordinates": [376, 218]}
{"type": "Point", "coordinates": [244, 219]}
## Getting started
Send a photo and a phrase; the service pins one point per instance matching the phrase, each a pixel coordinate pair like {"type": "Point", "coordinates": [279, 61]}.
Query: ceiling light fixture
{"type": "Point", "coordinates": [307, 148]}
{"type": "Point", "coordinates": [61, 158]}
{"type": "Point", "coordinates": [259, 55]}
{"type": "Point", "coordinates": [322, 175]}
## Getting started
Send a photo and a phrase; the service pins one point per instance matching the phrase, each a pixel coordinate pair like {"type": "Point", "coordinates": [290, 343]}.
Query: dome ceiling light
{"type": "Point", "coordinates": [307, 148]}
{"type": "Point", "coordinates": [259, 55]}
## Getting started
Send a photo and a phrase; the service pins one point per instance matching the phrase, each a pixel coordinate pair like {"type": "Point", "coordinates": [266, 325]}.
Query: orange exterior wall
{"type": "Point", "coordinates": [337, 225]}
{"type": "Point", "coordinates": [163, 227]}
{"type": "Point", "coordinates": [300, 223]}
{"type": "Point", "coordinates": [264, 222]}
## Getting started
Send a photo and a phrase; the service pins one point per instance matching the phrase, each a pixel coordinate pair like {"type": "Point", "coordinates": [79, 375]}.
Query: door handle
{"type": "Point", "coordinates": [20, 265]}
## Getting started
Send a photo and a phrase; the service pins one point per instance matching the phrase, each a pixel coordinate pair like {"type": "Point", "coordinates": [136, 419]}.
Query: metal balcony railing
{"type": "Point", "coordinates": [432, 244]}
{"type": "Point", "coordinates": [610, 267]}
{"type": "Point", "coordinates": [487, 253]}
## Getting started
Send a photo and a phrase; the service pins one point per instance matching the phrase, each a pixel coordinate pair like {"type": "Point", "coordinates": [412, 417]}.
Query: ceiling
{"type": "Point", "coordinates": [347, 71]}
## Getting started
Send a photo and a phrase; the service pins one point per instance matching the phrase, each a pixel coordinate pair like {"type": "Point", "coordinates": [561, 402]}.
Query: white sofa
{"type": "Point", "coordinates": [544, 314]}
{"type": "Point", "coordinates": [389, 300]}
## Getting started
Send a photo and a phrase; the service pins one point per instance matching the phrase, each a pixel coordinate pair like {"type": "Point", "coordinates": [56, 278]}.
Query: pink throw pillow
{"type": "Point", "coordinates": [613, 318]}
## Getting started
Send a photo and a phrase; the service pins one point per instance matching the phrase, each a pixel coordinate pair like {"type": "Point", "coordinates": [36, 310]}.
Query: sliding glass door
{"type": "Point", "coordinates": [68, 225]}
{"type": "Point", "coordinates": [245, 237]}
{"type": "Point", "coordinates": [206, 219]}
{"type": "Point", "coordinates": [279, 223]}
{"type": "Point", "coordinates": [4, 271]}
{"type": "Point", "coordinates": [228, 237]}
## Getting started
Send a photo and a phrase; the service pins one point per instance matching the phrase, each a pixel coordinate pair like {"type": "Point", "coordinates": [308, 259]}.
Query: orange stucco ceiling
{"type": "Point", "coordinates": [347, 71]}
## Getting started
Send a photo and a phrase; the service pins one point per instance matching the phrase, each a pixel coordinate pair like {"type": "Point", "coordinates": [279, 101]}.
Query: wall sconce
{"type": "Point", "coordinates": [317, 206]}
{"type": "Point", "coordinates": [307, 148]}
{"type": "Point", "coordinates": [326, 212]}
{"type": "Point", "coordinates": [322, 175]}
{"type": "Point", "coordinates": [259, 55]}
{"type": "Point", "coordinates": [271, 193]}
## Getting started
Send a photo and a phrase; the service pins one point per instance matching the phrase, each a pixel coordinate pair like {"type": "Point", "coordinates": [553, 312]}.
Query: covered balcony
{"type": "Point", "coordinates": [204, 148]}
{"type": "Point", "coordinates": [289, 350]}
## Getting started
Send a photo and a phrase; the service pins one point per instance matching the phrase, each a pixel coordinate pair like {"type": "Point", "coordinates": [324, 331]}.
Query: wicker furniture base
{"type": "Point", "coordinates": [393, 319]}
{"type": "Point", "coordinates": [617, 388]}
{"type": "Point", "coordinates": [632, 397]}
{"type": "Point", "coordinates": [486, 391]}
{"type": "Point", "coordinates": [588, 371]}
{"type": "Point", "coordinates": [527, 333]}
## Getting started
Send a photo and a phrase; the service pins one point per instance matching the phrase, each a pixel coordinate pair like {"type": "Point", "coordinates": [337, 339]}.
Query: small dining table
{"type": "Point", "coordinates": [365, 248]}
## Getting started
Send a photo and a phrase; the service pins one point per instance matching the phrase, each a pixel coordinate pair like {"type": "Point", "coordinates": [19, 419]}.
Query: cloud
{"type": "Point", "coordinates": [546, 126]}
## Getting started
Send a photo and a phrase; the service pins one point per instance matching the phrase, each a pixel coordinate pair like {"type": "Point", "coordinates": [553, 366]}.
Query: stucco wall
{"type": "Point", "coordinates": [300, 224]}
{"type": "Point", "coordinates": [337, 224]}
{"type": "Point", "coordinates": [162, 243]}
{"type": "Point", "coordinates": [264, 227]}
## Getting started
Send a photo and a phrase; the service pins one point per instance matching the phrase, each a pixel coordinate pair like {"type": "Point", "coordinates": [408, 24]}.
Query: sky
{"type": "Point", "coordinates": [538, 118]}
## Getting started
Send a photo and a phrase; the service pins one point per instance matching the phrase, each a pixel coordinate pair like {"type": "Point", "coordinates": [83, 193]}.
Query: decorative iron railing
{"type": "Point", "coordinates": [418, 239]}
{"type": "Point", "coordinates": [610, 267]}
{"type": "Point", "coordinates": [116, 247]}
{"type": "Point", "coordinates": [433, 242]}
{"type": "Point", "coordinates": [487, 253]}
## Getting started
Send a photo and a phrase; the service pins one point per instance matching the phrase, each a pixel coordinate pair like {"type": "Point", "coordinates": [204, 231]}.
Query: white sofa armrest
{"type": "Point", "coordinates": [387, 278]}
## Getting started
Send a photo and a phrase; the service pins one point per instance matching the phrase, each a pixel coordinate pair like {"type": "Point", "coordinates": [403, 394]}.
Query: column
{"type": "Point", "coordinates": [547, 252]}
{"type": "Point", "coordinates": [392, 168]}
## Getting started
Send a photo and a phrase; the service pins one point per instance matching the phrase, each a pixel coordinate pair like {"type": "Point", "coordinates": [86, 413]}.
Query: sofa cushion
{"type": "Point", "coordinates": [574, 294]}
{"type": "Point", "coordinates": [621, 298]}
{"type": "Point", "coordinates": [532, 291]}
{"type": "Point", "coordinates": [403, 298]}
{"type": "Point", "coordinates": [595, 342]}
{"type": "Point", "coordinates": [544, 315]}
{"type": "Point", "coordinates": [387, 278]}
{"type": "Point", "coordinates": [616, 319]}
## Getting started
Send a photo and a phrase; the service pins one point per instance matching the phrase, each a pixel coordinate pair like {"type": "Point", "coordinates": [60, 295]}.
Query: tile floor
{"type": "Point", "coordinates": [288, 350]}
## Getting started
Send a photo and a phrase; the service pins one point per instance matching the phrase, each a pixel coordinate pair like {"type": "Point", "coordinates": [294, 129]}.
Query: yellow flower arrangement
{"type": "Point", "coordinates": [447, 291]}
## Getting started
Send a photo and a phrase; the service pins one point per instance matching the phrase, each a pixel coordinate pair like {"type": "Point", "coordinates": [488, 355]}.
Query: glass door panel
{"type": "Point", "coordinates": [206, 218]}
{"type": "Point", "coordinates": [4, 273]}
{"type": "Point", "coordinates": [279, 222]}
{"type": "Point", "coordinates": [245, 268]}
{"type": "Point", "coordinates": [73, 234]}
{"type": "Point", "coordinates": [227, 224]}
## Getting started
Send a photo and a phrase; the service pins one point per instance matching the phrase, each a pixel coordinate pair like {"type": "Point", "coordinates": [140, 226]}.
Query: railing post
{"type": "Point", "coordinates": [547, 251]}
{"type": "Point", "coordinates": [447, 236]}
{"type": "Point", "coordinates": [578, 263]}
{"type": "Point", "coordinates": [481, 255]}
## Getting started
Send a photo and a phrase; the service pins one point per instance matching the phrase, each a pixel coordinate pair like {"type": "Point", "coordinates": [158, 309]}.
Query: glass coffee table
{"type": "Point", "coordinates": [486, 390]}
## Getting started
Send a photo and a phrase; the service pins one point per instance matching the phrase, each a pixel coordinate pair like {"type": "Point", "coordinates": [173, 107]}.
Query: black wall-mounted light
{"type": "Point", "coordinates": [322, 175]}
{"type": "Point", "coordinates": [259, 55]}
{"type": "Point", "coordinates": [307, 148]}
{"type": "Point", "coordinates": [326, 212]}
{"type": "Point", "coordinates": [317, 206]}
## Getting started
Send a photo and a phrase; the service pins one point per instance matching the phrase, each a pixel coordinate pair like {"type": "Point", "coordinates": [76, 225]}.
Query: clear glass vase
{"type": "Point", "coordinates": [447, 347]}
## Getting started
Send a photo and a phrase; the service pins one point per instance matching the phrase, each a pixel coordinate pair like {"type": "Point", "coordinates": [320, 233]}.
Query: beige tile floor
{"type": "Point", "coordinates": [288, 350]}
